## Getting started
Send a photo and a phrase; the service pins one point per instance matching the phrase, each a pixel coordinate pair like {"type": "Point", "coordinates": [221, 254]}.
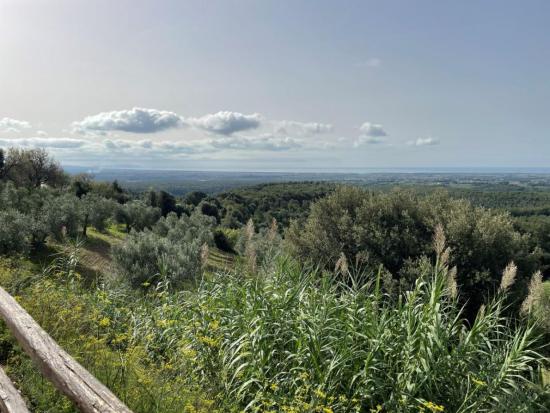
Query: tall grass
{"type": "Point", "coordinates": [286, 339]}
{"type": "Point", "coordinates": [303, 341]}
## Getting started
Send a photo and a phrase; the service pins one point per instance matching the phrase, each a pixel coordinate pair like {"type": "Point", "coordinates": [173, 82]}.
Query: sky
{"type": "Point", "coordinates": [277, 85]}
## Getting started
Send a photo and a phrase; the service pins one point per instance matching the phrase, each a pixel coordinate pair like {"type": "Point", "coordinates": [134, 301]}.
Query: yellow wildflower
{"type": "Point", "coordinates": [319, 393]}
{"type": "Point", "coordinates": [433, 407]}
{"type": "Point", "coordinates": [479, 382]}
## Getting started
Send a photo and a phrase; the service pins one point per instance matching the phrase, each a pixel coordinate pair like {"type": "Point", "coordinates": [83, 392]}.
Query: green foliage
{"type": "Point", "coordinates": [117, 335]}
{"type": "Point", "coordinates": [262, 203]}
{"type": "Point", "coordinates": [32, 168]}
{"type": "Point", "coordinates": [98, 210]}
{"type": "Point", "coordinates": [222, 242]}
{"type": "Point", "coordinates": [393, 228]}
{"type": "Point", "coordinates": [194, 198]}
{"type": "Point", "coordinates": [171, 252]}
{"type": "Point", "coordinates": [137, 215]}
{"type": "Point", "coordinates": [285, 340]}
{"type": "Point", "coordinates": [2, 163]}
{"type": "Point", "coordinates": [62, 215]}
{"type": "Point", "coordinates": [291, 340]}
{"type": "Point", "coordinates": [210, 209]}
{"type": "Point", "coordinates": [14, 232]}
{"type": "Point", "coordinates": [259, 249]}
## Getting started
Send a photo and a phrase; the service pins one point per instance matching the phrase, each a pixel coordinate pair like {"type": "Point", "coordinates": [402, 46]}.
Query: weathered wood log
{"type": "Point", "coordinates": [69, 377]}
{"type": "Point", "coordinates": [10, 399]}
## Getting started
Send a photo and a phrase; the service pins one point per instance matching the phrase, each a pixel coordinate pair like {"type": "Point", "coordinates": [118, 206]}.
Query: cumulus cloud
{"type": "Point", "coordinates": [424, 142]}
{"type": "Point", "coordinates": [13, 125]}
{"type": "Point", "coordinates": [372, 129]}
{"type": "Point", "coordinates": [368, 140]}
{"type": "Point", "coordinates": [303, 128]}
{"type": "Point", "coordinates": [136, 120]}
{"type": "Point", "coordinates": [38, 142]}
{"type": "Point", "coordinates": [226, 123]}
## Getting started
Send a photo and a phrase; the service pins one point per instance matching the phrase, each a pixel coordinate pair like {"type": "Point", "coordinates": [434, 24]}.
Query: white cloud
{"type": "Point", "coordinates": [424, 142]}
{"type": "Point", "coordinates": [136, 120]}
{"type": "Point", "coordinates": [195, 147]}
{"type": "Point", "coordinates": [41, 133]}
{"type": "Point", "coordinates": [368, 140]}
{"type": "Point", "coordinates": [302, 128]}
{"type": "Point", "coordinates": [38, 142]}
{"type": "Point", "coordinates": [226, 123]}
{"type": "Point", "coordinates": [160, 147]}
{"type": "Point", "coordinates": [13, 125]}
{"type": "Point", "coordinates": [265, 142]}
{"type": "Point", "coordinates": [372, 129]}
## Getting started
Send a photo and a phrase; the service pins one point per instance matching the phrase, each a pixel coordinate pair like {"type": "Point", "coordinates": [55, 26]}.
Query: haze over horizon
{"type": "Point", "coordinates": [305, 85]}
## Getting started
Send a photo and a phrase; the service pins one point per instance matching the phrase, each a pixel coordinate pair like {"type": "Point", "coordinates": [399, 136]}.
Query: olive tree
{"type": "Point", "coordinates": [96, 211]}
{"type": "Point", "coordinates": [137, 215]}
{"type": "Point", "coordinates": [14, 232]}
{"type": "Point", "coordinates": [32, 168]}
{"type": "Point", "coordinates": [171, 251]}
{"type": "Point", "coordinates": [63, 215]}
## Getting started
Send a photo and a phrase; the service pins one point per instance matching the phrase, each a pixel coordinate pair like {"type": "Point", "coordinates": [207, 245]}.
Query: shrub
{"type": "Point", "coordinates": [209, 209]}
{"type": "Point", "coordinates": [222, 242]}
{"type": "Point", "coordinates": [391, 229]}
{"type": "Point", "coordinates": [170, 252]}
{"type": "Point", "coordinates": [14, 232]}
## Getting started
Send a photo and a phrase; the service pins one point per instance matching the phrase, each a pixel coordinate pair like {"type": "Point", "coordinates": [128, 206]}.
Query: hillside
{"type": "Point", "coordinates": [282, 297]}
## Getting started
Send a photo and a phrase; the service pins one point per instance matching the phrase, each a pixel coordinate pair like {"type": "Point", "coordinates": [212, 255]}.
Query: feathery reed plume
{"type": "Point", "coordinates": [342, 266]}
{"type": "Point", "coordinates": [508, 277]}
{"type": "Point", "coordinates": [250, 249]}
{"type": "Point", "coordinates": [249, 230]}
{"type": "Point", "coordinates": [481, 311]}
{"type": "Point", "coordinates": [439, 242]}
{"type": "Point", "coordinates": [439, 239]}
{"type": "Point", "coordinates": [273, 230]}
{"type": "Point", "coordinates": [535, 288]}
{"type": "Point", "coordinates": [205, 252]}
{"type": "Point", "coordinates": [451, 283]}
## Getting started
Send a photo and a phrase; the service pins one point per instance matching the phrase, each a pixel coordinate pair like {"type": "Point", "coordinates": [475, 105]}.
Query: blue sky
{"type": "Point", "coordinates": [269, 85]}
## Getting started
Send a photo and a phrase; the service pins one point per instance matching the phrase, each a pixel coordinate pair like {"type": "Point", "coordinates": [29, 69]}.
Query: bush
{"type": "Point", "coordinates": [391, 229]}
{"type": "Point", "coordinates": [209, 209]}
{"type": "Point", "coordinates": [222, 242]}
{"type": "Point", "coordinates": [14, 232]}
{"type": "Point", "coordinates": [170, 252]}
